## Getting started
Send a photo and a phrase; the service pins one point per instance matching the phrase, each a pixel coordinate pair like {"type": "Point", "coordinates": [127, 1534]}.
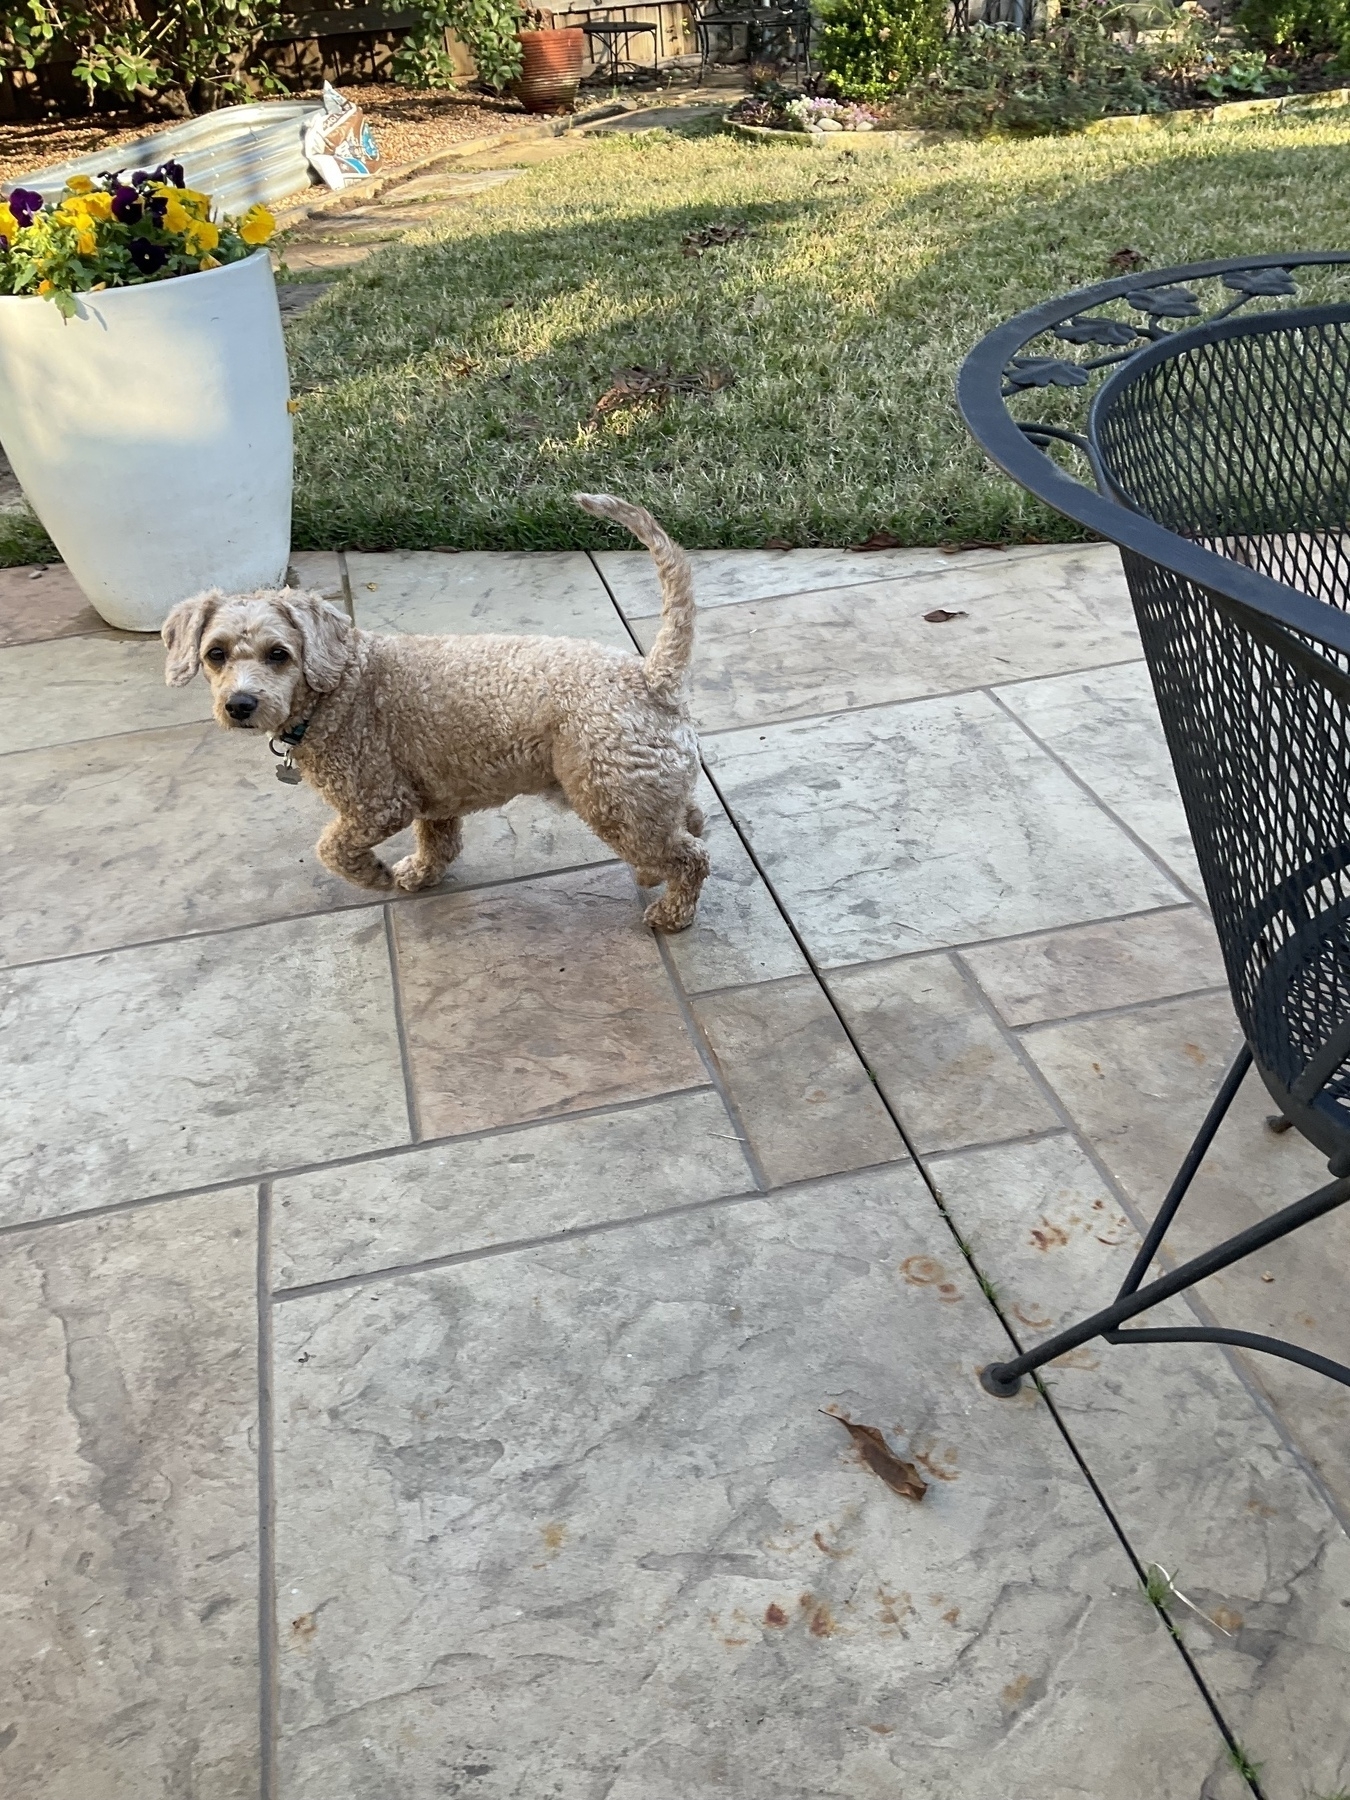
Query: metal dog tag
{"type": "Point", "coordinates": [288, 773]}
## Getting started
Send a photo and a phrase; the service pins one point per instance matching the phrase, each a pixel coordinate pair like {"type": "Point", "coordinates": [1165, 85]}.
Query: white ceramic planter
{"type": "Point", "coordinates": [151, 436]}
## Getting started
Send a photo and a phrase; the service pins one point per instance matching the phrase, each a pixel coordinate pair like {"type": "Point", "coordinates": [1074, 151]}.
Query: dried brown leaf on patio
{"type": "Point", "coordinates": [901, 1477]}
{"type": "Point", "coordinates": [940, 616]}
{"type": "Point", "coordinates": [694, 243]}
{"type": "Point", "coordinates": [778, 543]}
{"type": "Point", "coordinates": [1120, 262]}
{"type": "Point", "coordinates": [879, 540]}
{"type": "Point", "coordinates": [978, 544]}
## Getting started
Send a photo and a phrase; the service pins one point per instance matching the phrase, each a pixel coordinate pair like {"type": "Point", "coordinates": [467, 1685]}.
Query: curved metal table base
{"type": "Point", "coordinates": [1005, 1379]}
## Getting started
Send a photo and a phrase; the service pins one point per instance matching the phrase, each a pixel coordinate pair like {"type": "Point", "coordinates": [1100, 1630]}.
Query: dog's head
{"type": "Point", "coordinates": [266, 655]}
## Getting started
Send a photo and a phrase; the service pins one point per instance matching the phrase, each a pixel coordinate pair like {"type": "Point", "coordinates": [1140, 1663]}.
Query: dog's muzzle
{"type": "Point", "coordinates": [241, 707]}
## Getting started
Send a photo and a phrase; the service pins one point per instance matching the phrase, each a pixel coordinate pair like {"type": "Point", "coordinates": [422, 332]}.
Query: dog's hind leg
{"type": "Point", "coordinates": [683, 866]}
{"type": "Point", "coordinates": [655, 855]}
{"type": "Point", "coordinates": [438, 844]}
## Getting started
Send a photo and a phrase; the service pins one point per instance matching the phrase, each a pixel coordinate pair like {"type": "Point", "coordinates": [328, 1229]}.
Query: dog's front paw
{"type": "Point", "coordinates": [670, 915]}
{"type": "Point", "coordinates": [410, 874]}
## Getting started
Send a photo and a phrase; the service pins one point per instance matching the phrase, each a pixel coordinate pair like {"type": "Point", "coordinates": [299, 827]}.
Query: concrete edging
{"type": "Point", "coordinates": [814, 140]}
{"type": "Point", "coordinates": [1193, 118]}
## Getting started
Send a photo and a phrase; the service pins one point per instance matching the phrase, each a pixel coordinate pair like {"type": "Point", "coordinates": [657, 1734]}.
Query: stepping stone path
{"type": "Point", "coordinates": [325, 240]}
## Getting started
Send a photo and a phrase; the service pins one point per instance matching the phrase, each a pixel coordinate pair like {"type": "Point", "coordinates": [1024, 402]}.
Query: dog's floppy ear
{"type": "Point", "coordinates": [324, 632]}
{"type": "Point", "coordinates": [182, 634]}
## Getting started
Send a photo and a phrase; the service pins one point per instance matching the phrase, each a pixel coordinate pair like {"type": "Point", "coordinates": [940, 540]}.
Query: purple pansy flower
{"type": "Point", "coordinates": [171, 173]}
{"type": "Point", "coordinates": [147, 257]}
{"type": "Point", "coordinates": [24, 204]}
{"type": "Point", "coordinates": [126, 205]}
{"type": "Point", "coordinates": [157, 206]}
{"type": "Point", "coordinates": [140, 178]}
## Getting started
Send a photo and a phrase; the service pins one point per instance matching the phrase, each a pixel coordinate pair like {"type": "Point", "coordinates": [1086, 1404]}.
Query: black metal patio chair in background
{"type": "Point", "coordinates": [776, 30]}
{"type": "Point", "coordinates": [1220, 449]}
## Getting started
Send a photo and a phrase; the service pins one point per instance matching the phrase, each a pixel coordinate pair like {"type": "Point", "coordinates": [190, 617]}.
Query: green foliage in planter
{"type": "Point", "coordinates": [869, 49]}
{"type": "Point", "coordinates": [1241, 75]}
{"type": "Point", "coordinates": [487, 27]}
{"type": "Point", "coordinates": [172, 59]}
{"type": "Point", "coordinates": [1298, 27]}
{"type": "Point", "coordinates": [995, 78]}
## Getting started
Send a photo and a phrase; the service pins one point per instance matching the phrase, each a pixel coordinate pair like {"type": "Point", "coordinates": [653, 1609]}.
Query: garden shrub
{"type": "Point", "coordinates": [169, 58]}
{"type": "Point", "coordinates": [867, 49]}
{"type": "Point", "coordinates": [1194, 61]}
{"type": "Point", "coordinates": [996, 78]}
{"type": "Point", "coordinates": [1298, 28]}
{"type": "Point", "coordinates": [487, 27]}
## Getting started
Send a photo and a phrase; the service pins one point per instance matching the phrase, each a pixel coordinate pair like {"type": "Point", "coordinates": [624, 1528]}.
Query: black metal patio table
{"type": "Point", "coordinates": [1218, 441]}
{"type": "Point", "coordinates": [770, 26]}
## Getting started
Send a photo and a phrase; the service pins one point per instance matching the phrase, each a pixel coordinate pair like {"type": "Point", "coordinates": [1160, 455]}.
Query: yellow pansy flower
{"type": "Point", "coordinates": [81, 208]}
{"type": "Point", "coordinates": [195, 202]}
{"type": "Point", "coordinates": [85, 242]}
{"type": "Point", "coordinates": [9, 225]}
{"type": "Point", "coordinates": [257, 225]}
{"type": "Point", "coordinates": [208, 262]}
{"type": "Point", "coordinates": [176, 215]}
{"type": "Point", "coordinates": [79, 184]}
{"type": "Point", "coordinates": [201, 234]}
{"type": "Point", "coordinates": [44, 287]}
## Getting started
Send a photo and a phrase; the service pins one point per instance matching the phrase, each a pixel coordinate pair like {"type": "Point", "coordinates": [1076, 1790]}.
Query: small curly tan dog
{"type": "Point", "coordinates": [395, 731]}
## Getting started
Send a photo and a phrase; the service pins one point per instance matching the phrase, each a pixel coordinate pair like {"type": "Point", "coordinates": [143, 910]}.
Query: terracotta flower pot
{"type": "Point", "coordinates": [552, 73]}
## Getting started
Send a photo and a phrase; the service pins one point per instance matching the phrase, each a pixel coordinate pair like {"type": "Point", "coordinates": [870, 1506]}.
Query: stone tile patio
{"type": "Point", "coordinates": [420, 1317]}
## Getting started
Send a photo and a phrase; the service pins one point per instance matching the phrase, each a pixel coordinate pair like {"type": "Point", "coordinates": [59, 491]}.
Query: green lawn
{"type": "Point", "coordinates": [447, 389]}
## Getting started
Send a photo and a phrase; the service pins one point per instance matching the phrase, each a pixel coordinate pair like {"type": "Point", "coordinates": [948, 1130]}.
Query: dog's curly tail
{"type": "Point", "coordinates": [668, 659]}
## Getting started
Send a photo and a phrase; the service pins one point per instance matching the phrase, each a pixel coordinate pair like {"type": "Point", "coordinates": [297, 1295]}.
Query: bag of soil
{"type": "Point", "coordinates": [339, 144]}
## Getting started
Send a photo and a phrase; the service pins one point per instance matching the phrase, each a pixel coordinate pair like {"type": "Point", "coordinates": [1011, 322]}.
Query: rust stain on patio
{"type": "Point", "coordinates": [893, 1607]}
{"type": "Point", "coordinates": [829, 1549]}
{"type": "Point", "coordinates": [1046, 1236]}
{"type": "Point", "coordinates": [1016, 1692]}
{"type": "Point", "coordinates": [822, 1622]}
{"type": "Point", "coordinates": [1034, 1317]}
{"type": "Point", "coordinates": [940, 1464]}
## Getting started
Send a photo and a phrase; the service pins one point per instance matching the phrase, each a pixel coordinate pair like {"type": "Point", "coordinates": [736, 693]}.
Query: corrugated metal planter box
{"type": "Point", "coordinates": [238, 155]}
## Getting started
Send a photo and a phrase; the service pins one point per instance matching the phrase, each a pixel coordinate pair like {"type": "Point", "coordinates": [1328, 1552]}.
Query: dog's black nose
{"type": "Point", "coordinates": [241, 706]}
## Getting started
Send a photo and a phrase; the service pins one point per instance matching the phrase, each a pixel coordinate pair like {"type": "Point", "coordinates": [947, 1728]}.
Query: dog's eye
{"type": "Point", "coordinates": [277, 655]}
{"type": "Point", "coordinates": [216, 655]}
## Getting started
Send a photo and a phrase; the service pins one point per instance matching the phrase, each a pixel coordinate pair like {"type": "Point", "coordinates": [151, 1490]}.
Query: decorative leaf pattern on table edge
{"type": "Point", "coordinates": [1025, 373]}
